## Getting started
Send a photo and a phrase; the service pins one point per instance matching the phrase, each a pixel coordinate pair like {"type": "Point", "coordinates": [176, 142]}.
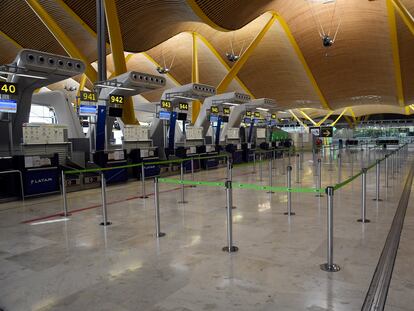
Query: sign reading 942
{"type": "Point", "coordinates": [8, 88]}
{"type": "Point", "coordinates": [116, 99]}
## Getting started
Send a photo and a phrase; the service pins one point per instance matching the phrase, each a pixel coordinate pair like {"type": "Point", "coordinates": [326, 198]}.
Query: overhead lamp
{"type": "Point", "coordinates": [185, 97]}
{"type": "Point", "coordinates": [114, 87]}
{"type": "Point", "coordinates": [262, 109]}
{"type": "Point", "coordinates": [22, 75]}
{"type": "Point", "coordinates": [4, 78]}
{"type": "Point", "coordinates": [231, 104]}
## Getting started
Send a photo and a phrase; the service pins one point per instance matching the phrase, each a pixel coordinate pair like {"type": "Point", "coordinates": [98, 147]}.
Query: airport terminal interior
{"type": "Point", "coordinates": [201, 155]}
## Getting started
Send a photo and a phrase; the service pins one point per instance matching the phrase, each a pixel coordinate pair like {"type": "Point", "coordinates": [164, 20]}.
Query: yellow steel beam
{"type": "Point", "coordinates": [2, 34]}
{"type": "Point", "coordinates": [325, 118]}
{"type": "Point", "coordinates": [352, 114]}
{"type": "Point", "coordinates": [117, 49]}
{"type": "Point", "coordinates": [196, 105]}
{"type": "Point", "coordinates": [297, 119]}
{"type": "Point", "coordinates": [307, 117]}
{"type": "Point", "coordinates": [395, 51]}
{"type": "Point", "coordinates": [349, 121]}
{"type": "Point", "coordinates": [412, 107]}
{"type": "Point", "coordinates": [337, 119]}
{"type": "Point", "coordinates": [405, 14]}
{"type": "Point", "coordinates": [62, 37]}
{"type": "Point", "coordinates": [222, 61]}
{"type": "Point", "coordinates": [82, 83]}
{"type": "Point", "coordinates": [221, 88]}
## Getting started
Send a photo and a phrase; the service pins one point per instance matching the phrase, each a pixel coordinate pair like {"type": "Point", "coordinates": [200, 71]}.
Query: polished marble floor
{"type": "Point", "coordinates": [75, 264]}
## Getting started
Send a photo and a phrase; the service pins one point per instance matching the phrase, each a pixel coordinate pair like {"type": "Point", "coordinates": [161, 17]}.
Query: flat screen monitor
{"type": "Point", "coordinates": [213, 118]}
{"type": "Point", "coordinates": [247, 120]}
{"type": "Point", "coordinates": [87, 110]}
{"type": "Point", "coordinates": [8, 105]}
{"type": "Point", "coordinates": [164, 115]}
{"type": "Point", "coordinates": [182, 116]}
{"type": "Point", "coordinates": [115, 112]}
{"type": "Point", "coordinates": [225, 119]}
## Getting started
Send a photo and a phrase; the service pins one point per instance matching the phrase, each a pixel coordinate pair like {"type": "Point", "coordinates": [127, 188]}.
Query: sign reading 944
{"type": "Point", "coordinates": [214, 109]}
{"type": "Point", "coordinates": [116, 99]}
{"type": "Point", "coordinates": [88, 96]}
{"type": "Point", "coordinates": [166, 104]}
{"type": "Point", "coordinates": [257, 114]}
{"type": "Point", "coordinates": [183, 106]}
{"type": "Point", "coordinates": [226, 111]}
{"type": "Point", "coordinates": [8, 88]}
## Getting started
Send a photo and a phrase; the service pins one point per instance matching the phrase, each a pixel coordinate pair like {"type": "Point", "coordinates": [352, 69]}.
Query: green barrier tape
{"type": "Point", "coordinates": [277, 189]}
{"type": "Point", "coordinates": [190, 182]}
{"type": "Point", "coordinates": [344, 183]}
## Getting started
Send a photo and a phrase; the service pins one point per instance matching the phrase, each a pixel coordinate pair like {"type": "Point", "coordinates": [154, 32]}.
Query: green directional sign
{"type": "Point", "coordinates": [326, 131]}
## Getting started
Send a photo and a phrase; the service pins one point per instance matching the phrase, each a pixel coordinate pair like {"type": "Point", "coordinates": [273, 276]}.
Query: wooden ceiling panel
{"type": "Point", "coordinates": [8, 49]}
{"type": "Point", "coordinates": [274, 71]}
{"type": "Point", "coordinates": [20, 23]}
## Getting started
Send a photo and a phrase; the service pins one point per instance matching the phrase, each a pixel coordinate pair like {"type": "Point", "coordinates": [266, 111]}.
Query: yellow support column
{"type": "Point", "coordinates": [395, 51]}
{"type": "Point", "coordinates": [324, 119]}
{"type": "Point", "coordinates": [82, 83]}
{"type": "Point", "coordinates": [61, 37]}
{"type": "Point", "coordinates": [297, 119]}
{"type": "Point", "coordinates": [405, 14]}
{"type": "Point", "coordinates": [337, 119]}
{"type": "Point", "coordinates": [117, 49]}
{"type": "Point", "coordinates": [243, 59]}
{"type": "Point", "coordinates": [307, 117]}
{"type": "Point", "coordinates": [196, 106]}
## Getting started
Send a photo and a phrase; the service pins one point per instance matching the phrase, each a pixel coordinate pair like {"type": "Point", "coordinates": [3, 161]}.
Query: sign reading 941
{"type": "Point", "coordinates": [8, 88]}
{"type": "Point", "coordinates": [116, 99]}
{"type": "Point", "coordinates": [88, 96]}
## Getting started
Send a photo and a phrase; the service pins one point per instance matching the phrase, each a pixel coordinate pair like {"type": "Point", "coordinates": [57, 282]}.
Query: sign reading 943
{"type": "Point", "coordinates": [88, 96]}
{"type": "Point", "coordinates": [116, 99]}
{"type": "Point", "coordinates": [214, 109]}
{"type": "Point", "coordinates": [8, 88]}
{"type": "Point", "coordinates": [166, 104]}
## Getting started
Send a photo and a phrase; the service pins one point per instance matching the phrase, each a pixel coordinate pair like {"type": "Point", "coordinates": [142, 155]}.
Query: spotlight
{"type": "Point", "coordinates": [163, 70]}
{"type": "Point", "coordinates": [327, 41]}
{"type": "Point", "coordinates": [232, 57]}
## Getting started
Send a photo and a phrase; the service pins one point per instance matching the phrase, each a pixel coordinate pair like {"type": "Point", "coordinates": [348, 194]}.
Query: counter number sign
{"type": "Point", "coordinates": [226, 111]}
{"type": "Point", "coordinates": [248, 113]}
{"type": "Point", "coordinates": [116, 99]}
{"type": "Point", "coordinates": [8, 88]}
{"type": "Point", "coordinates": [166, 104]}
{"type": "Point", "coordinates": [214, 109]}
{"type": "Point", "coordinates": [88, 96]}
{"type": "Point", "coordinates": [257, 114]}
{"type": "Point", "coordinates": [273, 116]}
{"type": "Point", "coordinates": [183, 106]}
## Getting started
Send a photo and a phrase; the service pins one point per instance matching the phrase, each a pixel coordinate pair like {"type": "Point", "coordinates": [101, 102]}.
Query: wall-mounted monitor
{"type": "Point", "coordinates": [8, 105]}
{"type": "Point", "coordinates": [182, 116]}
{"type": "Point", "coordinates": [87, 110]}
{"type": "Point", "coordinates": [213, 118]}
{"type": "Point", "coordinates": [115, 112]}
{"type": "Point", "coordinates": [164, 115]}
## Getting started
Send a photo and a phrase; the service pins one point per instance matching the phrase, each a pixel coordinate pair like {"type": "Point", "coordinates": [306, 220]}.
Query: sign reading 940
{"type": "Point", "coordinates": [8, 88]}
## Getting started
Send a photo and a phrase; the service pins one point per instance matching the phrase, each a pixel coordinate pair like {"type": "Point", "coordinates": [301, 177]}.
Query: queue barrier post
{"type": "Point", "coordinates": [64, 196]}
{"type": "Point", "coordinates": [363, 218]}
{"type": "Point", "coordinates": [230, 248]}
{"type": "Point", "coordinates": [319, 177]}
{"type": "Point", "coordinates": [105, 221]}
{"type": "Point", "coordinates": [330, 266]}
{"type": "Point", "coordinates": [377, 180]}
{"type": "Point", "coordinates": [298, 168]}
{"type": "Point", "coordinates": [260, 167]}
{"type": "Point", "coordinates": [386, 172]}
{"type": "Point", "coordinates": [183, 201]}
{"type": "Point", "coordinates": [144, 195]}
{"type": "Point", "coordinates": [158, 232]}
{"type": "Point", "coordinates": [192, 172]}
{"type": "Point", "coordinates": [289, 194]}
{"type": "Point", "coordinates": [270, 176]}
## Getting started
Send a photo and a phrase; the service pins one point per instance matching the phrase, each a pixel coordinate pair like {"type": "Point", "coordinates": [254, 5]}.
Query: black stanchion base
{"type": "Point", "coordinates": [270, 192]}
{"type": "Point", "coordinates": [193, 186]}
{"type": "Point", "coordinates": [108, 223]}
{"type": "Point", "coordinates": [379, 200]}
{"type": "Point", "coordinates": [330, 268]}
{"type": "Point", "coordinates": [233, 207]}
{"type": "Point", "coordinates": [63, 215]}
{"type": "Point", "coordinates": [182, 202]}
{"type": "Point", "coordinates": [161, 234]}
{"type": "Point", "coordinates": [232, 249]}
{"type": "Point", "coordinates": [364, 220]}
{"type": "Point", "coordinates": [291, 214]}
{"type": "Point", "coordinates": [144, 197]}
{"type": "Point", "coordinates": [319, 195]}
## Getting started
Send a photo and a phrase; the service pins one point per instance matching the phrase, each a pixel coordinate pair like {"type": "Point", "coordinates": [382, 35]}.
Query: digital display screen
{"type": "Point", "coordinates": [166, 104]}
{"type": "Point", "coordinates": [164, 115]}
{"type": "Point", "coordinates": [87, 110]}
{"type": "Point", "coordinates": [8, 105]}
{"type": "Point", "coordinates": [182, 116]}
{"type": "Point", "coordinates": [213, 118]}
{"type": "Point", "coordinates": [225, 119]}
{"type": "Point", "coordinates": [115, 112]}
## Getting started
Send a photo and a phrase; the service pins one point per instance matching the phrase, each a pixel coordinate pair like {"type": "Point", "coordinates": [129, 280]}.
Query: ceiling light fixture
{"type": "Point", "coordinates": [114, 87]}
{"type": "Point", "coordinates": [185, 97]}
{"type": "Point", "coordinates": [22, 75]}
{"type": "Point", "coordinates": [262, 109]}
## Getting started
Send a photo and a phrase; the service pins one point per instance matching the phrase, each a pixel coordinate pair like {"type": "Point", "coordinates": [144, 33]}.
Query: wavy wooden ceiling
{"type": "Point", "coordinates": [357, 71]}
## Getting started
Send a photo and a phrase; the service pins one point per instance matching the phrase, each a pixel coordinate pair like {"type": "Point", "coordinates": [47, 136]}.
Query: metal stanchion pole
{"type": "Point", "coordinates": [183, 201]}
{"type": "Point", "coordinates": [319, 177]}
{"type": "Point", "coordinates": [105, 221]}
{"type": "Point", "coordinates": [158, 232]}
{"type": "Point", "coordinates": [261, 167]}
{"type": "Point", "coordinates": [301, 160]}
{"type": "Point", "coordinates": [298, 168]}
{"type": "Point", "coordinates": [330, 266]}
{"type": "Point", "coordinates": [254, 161]}
{"type": "Point", "coordinates": [144, 195]}
{"type": "Point", "coordinates": [192, 172]}
{"type": "Point", "coordinates": [377, 180]}
{"type": "Point", "coordinates": [229, 202]}
{"type": "Point", "coordinates": [289, 157]}
{"type": "Point", "coordinates": [64, 197]}
{"type": "Point", "coordinates": [289, 194]}
{"type": "Point", "coordinates": [363, 218]}
{"type": "Point", "coordinates": [386, 171]}
{"type": "Point", "coordinates": [270, 175]}
{"type": "Point", "coordinates": [273, 159]}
